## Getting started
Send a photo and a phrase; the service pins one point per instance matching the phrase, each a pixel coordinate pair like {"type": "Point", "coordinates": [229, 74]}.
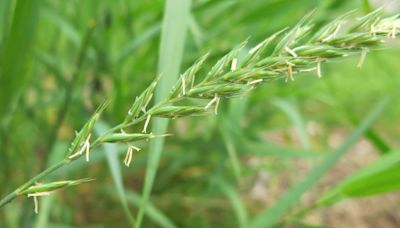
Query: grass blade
{"type": "Point", "coordinates": [16, 55]}
{"type": "Point", "coordinates": [115, 169]}
{"type": "Point", "coordinates": [368, 180]}
{"type": "Point", "coordinates": [236, 202]}
{"type": "Point", "coordinates": [232, 153]}
{"type": "Point", "coordinates": [129, 48]}
{"type": "Point", "coordinates": [153, 212]}
{"type": "Point", "coordinates": [4, 17]}
{"type": "Point", "coordinates": [173, 33]}
{"type": "Point", "coordinates": [271, 215]}
{"type": "Point", "coordinates": [294, 115]}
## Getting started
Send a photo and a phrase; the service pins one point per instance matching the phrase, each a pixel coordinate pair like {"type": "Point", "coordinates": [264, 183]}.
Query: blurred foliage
{"type": "Point", "coordinates": [211, 165]}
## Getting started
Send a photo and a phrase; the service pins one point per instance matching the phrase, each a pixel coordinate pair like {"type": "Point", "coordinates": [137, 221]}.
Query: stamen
{"type": "Point", "coordinates": [234, 64]}
{"type": "Point", "coordinates": [35, 199]}
{"type": "Point", "coordinates": [394, 30]}
{"type": "Point", "coordinates": [216, 106]}
{"type": "Point", "coordinates": [87, 146]}
{"type": "Point", "coordinates": [128, 157]}
{"type": "Point", "coordinates": [211, 102]}
{"type": "Point", "coordinates": [364, 52]}
{"type": "Point", "coordinates": [36, 203]}
{"type": "Point", "coordinates": [319, 68]}
{"type": "Point", "coordinates": [183, 85]}
{"type": "Point", "coordinates": [39, 194]}
{"type": "Point", "coordinates": [290, 72]}
{"type": "Point", "coordinates": [291, 52]}
{"type": "Point", "coordinates": [255, 81]}
{"type": "Point", "coordinates": [146, 124]}
{"type": "Point", "coordinates": [129, 154]}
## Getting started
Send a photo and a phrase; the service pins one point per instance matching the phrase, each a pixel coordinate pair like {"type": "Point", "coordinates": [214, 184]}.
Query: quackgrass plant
{"type": "Point", "coordinates": [284, 55]}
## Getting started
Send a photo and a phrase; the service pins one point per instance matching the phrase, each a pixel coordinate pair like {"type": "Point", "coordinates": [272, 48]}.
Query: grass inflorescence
{"type": "Point", "coordinates": [300, 49]}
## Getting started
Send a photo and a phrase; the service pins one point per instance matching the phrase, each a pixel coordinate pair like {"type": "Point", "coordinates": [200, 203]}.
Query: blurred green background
{"type": "Point", "coordinates": [215, 171]}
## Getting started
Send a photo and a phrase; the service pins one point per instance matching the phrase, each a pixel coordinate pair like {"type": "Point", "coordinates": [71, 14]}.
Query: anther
{"type": "Point", "coordinates": [211, 102]}
{"type": "Point", "coordinates": [364, 52]}
{"type": "Point", "coordinates": [319, 68]}
{"type": "Point", "coordinates": [255, 81]}
{"type": "Point", "coordinates": [234, 64]}
{"type": "Point", "coordinates": [290, 72]}
{"type": "Point", "coordinates": [291, 51]}
{"type": "Point", "coordinates": [146, 124]}
{"type": "Point", "coordinates": [183, 85]}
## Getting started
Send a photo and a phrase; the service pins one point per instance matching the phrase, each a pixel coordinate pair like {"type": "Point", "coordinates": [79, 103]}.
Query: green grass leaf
{"type": "Point", "coordinates": [151, 211]}
{"type": "Point", "coordinates": [173, 34]}
{"type": "Point", "coordinates": [292, 112]}
{"type": "Point", "coordinates": [115, 169]}
{"type": "Point", "coordinates": [270, 216]}
{"type": "Point", "coordinates": [16, 55]}
{"type": "Point", "coordinates": [378, 177]}
{"type": "Point", "coordinates": [236, 202]}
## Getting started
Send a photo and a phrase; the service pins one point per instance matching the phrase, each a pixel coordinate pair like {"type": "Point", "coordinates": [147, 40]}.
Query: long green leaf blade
{"type": "Point", "coordinates": [115, 168]}
{"type": "Point", "coordinates": [270, 216]}
{"type": "Point", "coordinates": [173, 34]}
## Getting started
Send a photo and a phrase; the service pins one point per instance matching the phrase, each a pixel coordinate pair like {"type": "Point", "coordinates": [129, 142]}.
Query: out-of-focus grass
{"type": "Point", "coordinates": [122, 59]}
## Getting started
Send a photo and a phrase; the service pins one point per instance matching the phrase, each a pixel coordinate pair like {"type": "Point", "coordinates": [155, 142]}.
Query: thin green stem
{"type": "Point", "coordinates": [27, 184]}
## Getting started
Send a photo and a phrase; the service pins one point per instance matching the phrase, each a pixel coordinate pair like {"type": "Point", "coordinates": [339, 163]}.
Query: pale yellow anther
{"type": "Point", "coordinates": [255, 81]}
{"type": "Point", "coordinates": [129, 155]}
{"type": "Point", "coordinates": [216, 106]}
{"type": "Point", "coordinates": [211, 102]}
{"type": "Point", "coordinates": [234, 64]}
{"type": "Point", "coordinates": [36, 203]}
{"type": "Point", "coordinates": [319, 68]}
{"type": "Point", "coordinates": [289, 71]}
{"type": "Point", "coordinates": [364, 52]}
{"type": "Point", "coordinates": [183, 85]}
{"type": "Point", "coordinates": [146, 124]}
{"type": "Point", "coordinates": [291, 52]}
{"type": "Point", "coordinates": [85, 147]}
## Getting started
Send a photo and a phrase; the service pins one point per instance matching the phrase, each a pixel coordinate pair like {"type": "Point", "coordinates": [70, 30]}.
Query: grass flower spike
{"type": "Point", "coordinates": [283, 55]}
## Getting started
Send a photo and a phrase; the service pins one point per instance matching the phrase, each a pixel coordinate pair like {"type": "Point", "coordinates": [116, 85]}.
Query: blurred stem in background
{"type": "Point", "coordinates": [70, 88]}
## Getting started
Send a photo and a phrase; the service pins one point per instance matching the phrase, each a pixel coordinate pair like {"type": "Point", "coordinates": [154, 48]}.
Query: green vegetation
{"type": "Point", "coordinates": [78, 80]}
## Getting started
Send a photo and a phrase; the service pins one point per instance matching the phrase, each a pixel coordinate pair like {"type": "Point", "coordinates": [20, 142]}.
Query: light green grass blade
{"type": "Point", "coordinates": [262, 148]}
{"type": "Point", "coordinates": [232, 153]}
{"type": "Point", "coordinates": [229, 124]}
{"type": "Point", "coordinates": [153, 212]}
{"type": "Point", "coordinates": [372, 135]}
{"type": "Point", "coordinates": [16, 55]}
{"type": "Point", "coordinates": [115, 169]}
{"type": "Point", "coordinates": [380, 176]}
{"type": "Point", "coordinates": [173, 35]}
{"type": "Point", "coordinates": [270, 216]}
{"type": "Point", "coordinates": [63, 24]}
{"type": "Point", "coordinates": [236, 202]}
{"type": "Point", "coordinates": [295, 117]}
{"type": "Point", "coordinates": [384, 181]}
{"type": "Point", "coordinates": [5, 13]}
{"type": "Point", "coordinates": [129, 48]}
